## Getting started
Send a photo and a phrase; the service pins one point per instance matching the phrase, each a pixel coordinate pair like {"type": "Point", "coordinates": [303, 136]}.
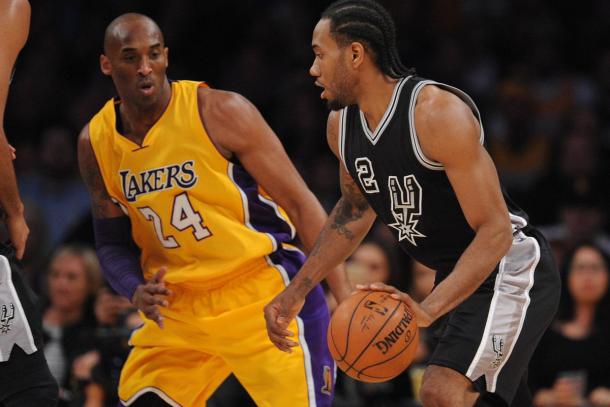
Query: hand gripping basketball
{"type": "Point", "coordinates": [372, 336]}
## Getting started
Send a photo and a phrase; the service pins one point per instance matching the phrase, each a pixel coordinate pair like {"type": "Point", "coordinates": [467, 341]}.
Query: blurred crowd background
{"type": "Point", "coordinates": [538, 70]}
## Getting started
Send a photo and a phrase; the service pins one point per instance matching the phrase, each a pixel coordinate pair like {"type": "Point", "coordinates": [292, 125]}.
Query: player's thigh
{"type": "Point", "coordinates": [272, 377]}
{"type": "Point", "coordinates": [178, 376]}
{"type": "Point", "coordinates": [490, 337]}
{"type": "Point", "coordinates": [301, 378]}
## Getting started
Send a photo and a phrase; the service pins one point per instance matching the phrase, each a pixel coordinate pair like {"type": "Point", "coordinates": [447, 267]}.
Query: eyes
{"type": "Point", "coordinates": [133, 57]}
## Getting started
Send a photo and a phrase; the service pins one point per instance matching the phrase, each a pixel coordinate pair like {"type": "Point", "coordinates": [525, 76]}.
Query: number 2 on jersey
{"type": "Point", "coordinates": [183, 217]}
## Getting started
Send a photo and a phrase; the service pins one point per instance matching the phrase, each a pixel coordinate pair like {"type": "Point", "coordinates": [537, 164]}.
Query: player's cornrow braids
{"type": "Point", "coordinates": [367, 21]}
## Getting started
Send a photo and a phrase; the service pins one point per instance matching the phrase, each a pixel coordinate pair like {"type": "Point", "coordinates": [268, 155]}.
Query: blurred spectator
{"type": "Point", "coordinates": [57, 192]}
{"type": "Point", "coordinates": [521, 152]}
{"type": "Point", "coordinates": [68, 320]}
{"type": "Point", "coordinates": [571, 366]}
{"type": "Point", "coordinates": [98, 371]}
{"type": "Point", "coordinates": [580, 191]}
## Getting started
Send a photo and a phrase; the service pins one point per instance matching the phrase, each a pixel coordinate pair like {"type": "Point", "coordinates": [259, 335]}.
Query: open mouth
{"type": "Point", "coordinates": [146, 88]}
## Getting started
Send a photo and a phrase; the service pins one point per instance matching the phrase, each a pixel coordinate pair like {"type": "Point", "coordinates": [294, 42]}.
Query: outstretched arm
{"type": "Point", "coordinates": [238, 129]}
{"type": "Point", "coordinates": [14, 28]}
{"type": "Point", "coordinates": [345, 228]}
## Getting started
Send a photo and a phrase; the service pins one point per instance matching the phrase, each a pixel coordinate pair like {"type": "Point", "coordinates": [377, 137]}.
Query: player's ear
{"type": "Point", "coordinates": [357, 54]}
{"type": "Point", "coordinates": [105, 65]}
{"type": "Point", "coordinates": [166, 52]}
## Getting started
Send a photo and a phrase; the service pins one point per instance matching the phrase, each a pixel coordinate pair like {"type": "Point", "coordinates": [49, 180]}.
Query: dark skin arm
{"type": "Point", "coordinates": [347, 225]}
{"type": "Point", "coordinates": [14, 28]}
{"type": "Point", "coordinates": [449, 133]}
{"type": "Point", "coordinates": [237, 129]}
{"type": "Point", "coordinates": [150, 296]}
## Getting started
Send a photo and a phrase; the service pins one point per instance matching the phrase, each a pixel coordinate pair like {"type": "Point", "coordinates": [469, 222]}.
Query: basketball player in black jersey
{"type": "Point", "coordinates": [25, 379]}
{"type": "Point", "coordinates": [411, 152]}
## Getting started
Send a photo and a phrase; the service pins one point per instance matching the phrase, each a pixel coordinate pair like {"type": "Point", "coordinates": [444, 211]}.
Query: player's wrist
{"type": "Point", "coordinates": [15, 210]}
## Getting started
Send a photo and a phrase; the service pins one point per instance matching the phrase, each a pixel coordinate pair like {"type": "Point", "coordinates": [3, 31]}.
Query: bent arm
{"type": "Point", "coordinates": [14, 28]}
{"type": "Point", "coordinates": [237, 127]}
{"type": "Point", "coordinates": [112, 229]}
{"type": "Point", "coordinates": [347, 225]}
{"type": "Point", "coordinates": [449, 134]}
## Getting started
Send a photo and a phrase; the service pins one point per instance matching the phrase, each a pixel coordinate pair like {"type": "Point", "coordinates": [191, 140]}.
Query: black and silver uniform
{"type": "Point", "coordinates": [491, 335]}
{"type": "Point", "coordinates": [408, 191]}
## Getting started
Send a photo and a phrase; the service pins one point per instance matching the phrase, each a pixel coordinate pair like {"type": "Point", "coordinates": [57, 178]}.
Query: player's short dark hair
{"type": "Point", "coordinates": [368, 22]}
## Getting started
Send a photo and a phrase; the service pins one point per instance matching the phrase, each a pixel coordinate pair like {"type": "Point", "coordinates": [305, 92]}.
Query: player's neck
{"type": "Point", "coordinates": [375, 94]}
{"type": "Point", "coordinates": [138, 120]}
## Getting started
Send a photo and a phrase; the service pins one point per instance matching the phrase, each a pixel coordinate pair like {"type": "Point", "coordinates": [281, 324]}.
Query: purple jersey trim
{"type": "Point", "coordinates": [315, 318]}
{"type": "Point", "coordinates": [262, 215]}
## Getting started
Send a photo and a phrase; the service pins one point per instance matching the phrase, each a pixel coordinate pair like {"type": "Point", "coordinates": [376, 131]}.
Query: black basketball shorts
{"type": "Point", "coordinates": [491, 336]}
{"type": "Point", "coordinates": [23, 366]}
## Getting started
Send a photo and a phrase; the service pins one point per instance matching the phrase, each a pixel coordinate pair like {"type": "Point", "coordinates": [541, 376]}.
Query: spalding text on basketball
{"type": "Point", "coordinates": [386, 344]}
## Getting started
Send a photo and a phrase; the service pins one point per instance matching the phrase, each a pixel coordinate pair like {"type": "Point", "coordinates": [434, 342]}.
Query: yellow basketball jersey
{"type": "Point", "coordinates": [191, 209]}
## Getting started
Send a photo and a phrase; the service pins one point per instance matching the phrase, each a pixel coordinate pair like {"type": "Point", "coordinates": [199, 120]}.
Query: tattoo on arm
{"type": "Point", "coordinates": [100, 199]}
{"type": "Point", "coordinates": [350, 208]}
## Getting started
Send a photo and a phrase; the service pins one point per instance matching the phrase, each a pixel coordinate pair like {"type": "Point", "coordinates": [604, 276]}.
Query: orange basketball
{"type": "Point", "coordinates": [372, 336]}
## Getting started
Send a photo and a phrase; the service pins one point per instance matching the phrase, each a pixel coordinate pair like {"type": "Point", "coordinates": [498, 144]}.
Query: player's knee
{"type": "Point", "coordinates": [442, 387]}
{"type": "Point", "coordinates": [439, 396]}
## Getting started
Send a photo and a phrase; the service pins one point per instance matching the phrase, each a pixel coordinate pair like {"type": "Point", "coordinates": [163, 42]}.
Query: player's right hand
{"type": "Point", "coordinates": [18, 232]}
{"type": "Point", "coordinates": [278, 315]}
{"type": "Point", "coordinates": [152, 295]}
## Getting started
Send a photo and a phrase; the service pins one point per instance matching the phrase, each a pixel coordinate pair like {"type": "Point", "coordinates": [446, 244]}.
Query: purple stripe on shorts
{"type": "Point", "coordinates": [315, 317]}
{"type": "Point", "coordinates": [262, 215]}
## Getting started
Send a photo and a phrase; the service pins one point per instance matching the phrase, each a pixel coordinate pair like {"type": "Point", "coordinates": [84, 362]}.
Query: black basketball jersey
{"type": "Point", "coordinates": [409, 192]}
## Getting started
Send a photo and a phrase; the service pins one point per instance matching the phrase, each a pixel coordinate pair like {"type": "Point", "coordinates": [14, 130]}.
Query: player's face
{"type": "Point", "coordinates": [330, 67]}
{"type": "Point", "coordinates": [137, 61]}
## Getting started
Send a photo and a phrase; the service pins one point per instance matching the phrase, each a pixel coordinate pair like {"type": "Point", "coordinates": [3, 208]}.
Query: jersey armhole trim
{"type": "Point", "coordinates": [419, 153]}
{"type": "Point", "coordinates": [341, 138]}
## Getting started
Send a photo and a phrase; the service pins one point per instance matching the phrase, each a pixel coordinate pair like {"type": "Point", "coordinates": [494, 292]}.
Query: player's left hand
{"type": "Point", "coordinates": [278, 315]}
{"type": "Point", "coordinates": [423, 316]}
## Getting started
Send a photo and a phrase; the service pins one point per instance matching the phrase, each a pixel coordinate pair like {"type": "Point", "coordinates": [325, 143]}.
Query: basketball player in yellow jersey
{"type": "Point", "coordinates": [211, 199]}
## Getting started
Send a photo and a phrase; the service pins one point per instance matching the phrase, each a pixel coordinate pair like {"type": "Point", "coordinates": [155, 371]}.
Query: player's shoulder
{"type": "Point", "coordinates": [84, 135]}
{"type": "Point", "coordinates": [437, 105]}
{"type": "Point", "coordinates": [332, 131]}
{"type": "Point", "coordinates": [222, 102]}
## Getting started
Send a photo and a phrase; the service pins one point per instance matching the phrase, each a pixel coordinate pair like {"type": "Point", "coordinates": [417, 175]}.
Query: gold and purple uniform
{"type": "Point", "coordinates": [226, 247]}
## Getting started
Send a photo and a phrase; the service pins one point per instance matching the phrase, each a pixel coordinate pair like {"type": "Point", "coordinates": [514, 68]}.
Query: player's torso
{"type": "Point", "coordinates": [410, 193]}
{"type": "Point", "coordinates": [190, 209]}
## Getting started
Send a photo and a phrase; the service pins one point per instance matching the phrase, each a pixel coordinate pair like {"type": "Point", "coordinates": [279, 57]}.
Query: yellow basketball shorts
{"type": "Point", "coordinates": [211, 332]}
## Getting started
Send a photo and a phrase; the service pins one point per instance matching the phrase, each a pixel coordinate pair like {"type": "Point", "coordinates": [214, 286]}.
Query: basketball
{"type": "Point", "coordinates": [372, 336]}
